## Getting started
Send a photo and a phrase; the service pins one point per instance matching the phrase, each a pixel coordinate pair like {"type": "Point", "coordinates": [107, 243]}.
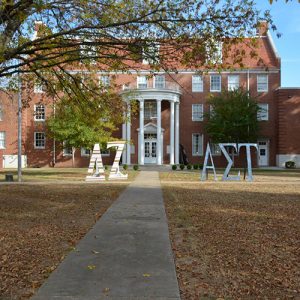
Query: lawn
{"type": "Point", "coordinates": [235, 240]}
{"type": "Point", "coordinates": [56, 174]}
{"type": "Point", "coordinates": [41, 222]}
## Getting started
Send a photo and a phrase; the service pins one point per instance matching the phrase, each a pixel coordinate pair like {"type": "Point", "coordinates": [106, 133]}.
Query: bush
{"type": "Point", "coordinates": [174, 167]}
{"type": "Point", "coordinates": [106, 168]}
{"type": "Point", "coordinates": [181, 166]}
{"type": "Point", "coordinates": [125, 167]}
{"type": "Point", "coordinates": [200, 166]}
{"type": "Point", "coordinates": [196, 167]}
{"type": "Point", "coordinates": [290, 164]}
{"type": "Point", "coordinates": [189, 166]}
{"type": "Point", "coordinates": [135, 167]}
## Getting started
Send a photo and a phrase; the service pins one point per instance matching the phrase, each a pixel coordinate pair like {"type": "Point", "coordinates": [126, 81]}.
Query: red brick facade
{"type": "Point", "coordinates": [278, 132]}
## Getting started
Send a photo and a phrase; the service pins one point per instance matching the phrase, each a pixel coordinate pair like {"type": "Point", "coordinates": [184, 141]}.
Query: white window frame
{"type": "Point", "coordinates": [36, 115]}
{"type": "Point", "coordinates": [150, 114]}
{"type": "Point", "coordinates": [142, 80]}
{"type": "Point", "coordinates": [2, 139]}
{"type": "Point", "coordinates": [217, 56]}
{"type": "Point", "coordinates": [211, 83]}
{"type": "Point", "coordinates": [200, 146]}
{"type": "Point", "coordinates": [83, 152]}
{"type": "Point", "coordinates": [65, 150]}
{"type": "Point", "coordinates": [263, 115]}
{"type": "Point", "coordinates": [104, 80]}
{"type": "Point", "coordinates": [38, 87]}
{"type": "Point", "coordinates": [233, 82]}
{"type": "Point", "coordinates": [197, 112]}
{"type": "Point", "coordinates": [197, 83]}
{"type": "Point", "coordinates": [153, 48]}
{"type": "Point", "coordinates": [215, 149]}
{"type": "Point", "coordinates": [35, 140]}
{"type": "Point", "coordinates": [161, 83]}
{"type": "Point", "coordinates": [262, 85]}
{"type": "Point", "coordinates": [1, 112]}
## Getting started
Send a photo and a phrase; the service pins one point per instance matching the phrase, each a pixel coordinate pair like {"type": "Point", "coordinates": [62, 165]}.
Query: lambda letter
{"type": "Point", "coordinates": [230, 162]}
{"type": "Point", "coordinates": [205, 166]}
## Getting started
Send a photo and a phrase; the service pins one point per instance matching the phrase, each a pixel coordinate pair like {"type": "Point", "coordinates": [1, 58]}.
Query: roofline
{"type": "Point", "coordinates": [288, 88]}
{"type": "Point", "coordinates": [273, 45]}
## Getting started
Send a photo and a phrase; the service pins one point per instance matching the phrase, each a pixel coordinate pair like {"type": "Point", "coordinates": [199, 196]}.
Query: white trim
{"type": "Point", "coordinates": [34, 138]}
{"type": "Point", "coordinates": [273, 46]}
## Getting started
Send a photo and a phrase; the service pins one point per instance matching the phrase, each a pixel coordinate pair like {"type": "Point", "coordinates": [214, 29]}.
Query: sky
{"type": "Point", "coordinates": [286, 17]}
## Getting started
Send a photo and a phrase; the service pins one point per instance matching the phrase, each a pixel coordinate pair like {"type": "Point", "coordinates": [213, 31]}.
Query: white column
{"type": "Point", "coordinates": [177, 133]}
{"type": "Point", "coordinates": [141, 133]}
{"type": "Point", "coordinates": [128, 135]}
{"type": "Point", "coordinates": [172, 133]}
{"type": "Point", "coordinates": [124, 156]}
{"type": "Point", "coordinates": [158, 149]}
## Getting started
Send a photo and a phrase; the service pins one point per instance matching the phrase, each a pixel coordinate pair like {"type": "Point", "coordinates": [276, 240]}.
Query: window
{"type": "Point", "coordinates": [215, 149]}
{"type": "Point", "coordinates": [39, 112]}
{"type": "Point", "coordinates": [150, 110]}
{"type": "Point", "coordinates": [197, 112]}
{"type": "Point", "coordinates": [67, 150]}
{"type": "Point", "coordinates": [142, 82]}
{"type": "Point", "coordinates": [85, 152]}
{"type": "Point", "coordinates": [39, 140]}
{"type": "Point", "coordinates": [233, 82]}
{"type": "Point", "coordinates": [263, 112]}
{"type": "Point", "coordinates": [197, 83]}
{"type": "Point", "coordinates": [197, 144]}
{"type": "Point", "coordinates": [215, 83]}
{"type": "Point", "coordinates": [104, 80]}
{"type": "Point", "coordinates": [2, 139]}
{"type": "Point", "coordinates": [151, 54]}
{"type": "Point", "coordinates": [262, 83]}
{"type": "Point", "coordinates": [159, 81]}
{"type": "Point", "coordinates": [1, 113]}
{"type": "Point", "coordinates": [38, 88]}
{"type": "Point", "coordinates": [211, 110]}
{"type": "Point", "coordinates": [214, 52]}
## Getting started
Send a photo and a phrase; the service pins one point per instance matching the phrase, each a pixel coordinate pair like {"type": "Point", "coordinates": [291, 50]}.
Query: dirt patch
{"type": "Point", "coordinates": [40, 224]}
{"type": "Point", "coordinates": [235, 240]}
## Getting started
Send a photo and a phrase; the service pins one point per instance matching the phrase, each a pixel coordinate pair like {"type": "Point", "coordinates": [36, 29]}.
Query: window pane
{"type": "Point", "coordinates": [142, 82]}
{"type": "Point", "coordinates": [197, 112]}
{"type": "Point", "coordinates": [39, 140]}
{"type": "Point", "coordinates": [263, 112]}
{"type": "Point", "coordinates": [159, 81]}
{"type": "Point", "coordinates": [215, 83]}
{"type": "Point", "coordinates": [104, 80]}
{"type": "Point", "coordinates": [262, 83]}
{"type": "Point", "coordinates": [150, 110]}
{"type": "Point", "coordinates": [233, 82]}
{"type": "Point", "coordinates": [39, 112]}
{"type": "Point", "coordinates": [197, 142]}
{"type": "Point", "coordinates": [2, 139]}
{"type": "Point", "coordinates": [197, 83]}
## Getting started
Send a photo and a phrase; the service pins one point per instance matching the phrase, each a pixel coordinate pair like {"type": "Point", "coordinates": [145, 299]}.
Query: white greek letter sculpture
{"type": "Point", "coordinates": [230, 162]}
{"type": "Point", "coordinates": [205, 166]}
{"type": "Point", "coordinates": [115, 170]}
{"type": "Point", "coordinates": [98, 171]}
{"type": "Point", "coordinates": [249, 164]}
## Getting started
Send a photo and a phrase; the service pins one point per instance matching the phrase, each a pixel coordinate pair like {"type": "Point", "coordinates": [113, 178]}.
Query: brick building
{"type": "Point", "coordinates": [170, 117]}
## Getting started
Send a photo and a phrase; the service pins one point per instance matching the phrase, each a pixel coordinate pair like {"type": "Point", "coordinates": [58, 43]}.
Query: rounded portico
{"type": "Point", "coordinates": [151, 136]}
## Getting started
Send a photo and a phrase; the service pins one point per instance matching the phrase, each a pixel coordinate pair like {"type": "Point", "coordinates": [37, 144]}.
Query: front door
{"type": "Point", "coordinates": [263, 153]}
{"type": "Point", "coordinates": [150, 152]}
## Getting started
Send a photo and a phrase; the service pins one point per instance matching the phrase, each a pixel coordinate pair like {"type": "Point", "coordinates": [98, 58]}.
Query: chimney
{"type": "Point", "coordinates": [262, 28]}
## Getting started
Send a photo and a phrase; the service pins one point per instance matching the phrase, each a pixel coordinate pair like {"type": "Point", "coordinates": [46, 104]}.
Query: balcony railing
{"type": "Point", "coordinates": [167, 86]}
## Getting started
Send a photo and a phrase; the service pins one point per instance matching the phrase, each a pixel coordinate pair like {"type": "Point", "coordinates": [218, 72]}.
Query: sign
{"type": "Point", "coordinates": [96, 165]}
{"type": "Point", "coordinates": [223, 147]}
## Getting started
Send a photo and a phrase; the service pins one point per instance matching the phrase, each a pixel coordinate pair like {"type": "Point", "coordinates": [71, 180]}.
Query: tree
{"type": "Point", "coordinates": [232, 118]}
{"type": "Point", "coordinates": [83, 120]}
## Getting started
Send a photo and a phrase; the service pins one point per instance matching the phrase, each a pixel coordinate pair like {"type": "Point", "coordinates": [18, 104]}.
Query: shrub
{"type": "Point", "coordinates": [135, 167]}
{"type": "Point", "coordinates": [174, 167]}
{"type": "Point", "coordinates": [290, 164]}
{"type": "Point", "coordinates": [125, 167]}
{"type": "Point", "coordinates": [189, 166]}
{"type": "Point", "coordinates": [195, 166]}
{"type": "Point", "coordinates": [106, 168]}
{"type": "Point", "coordinates": [181, 166]}
{"type": "Point", "coordinates": [200, 166]}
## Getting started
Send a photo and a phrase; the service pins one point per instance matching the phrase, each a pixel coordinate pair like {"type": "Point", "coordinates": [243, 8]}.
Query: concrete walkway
{"type": "Point", "coordinates": [126, 255]}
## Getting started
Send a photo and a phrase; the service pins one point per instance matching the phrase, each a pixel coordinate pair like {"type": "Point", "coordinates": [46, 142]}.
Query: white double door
{"type": "Point", "coordinates": [151, 151]}
{"type": "Point", "coordinates": [263, 153]}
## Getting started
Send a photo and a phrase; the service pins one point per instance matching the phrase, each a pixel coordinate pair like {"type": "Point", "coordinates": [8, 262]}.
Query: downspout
{"type": "Point", "coordinates": [54, 142]}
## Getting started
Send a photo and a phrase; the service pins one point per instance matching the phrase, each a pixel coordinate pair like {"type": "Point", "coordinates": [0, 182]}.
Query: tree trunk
{"type": "Point", "coordinates": [73, 157]}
